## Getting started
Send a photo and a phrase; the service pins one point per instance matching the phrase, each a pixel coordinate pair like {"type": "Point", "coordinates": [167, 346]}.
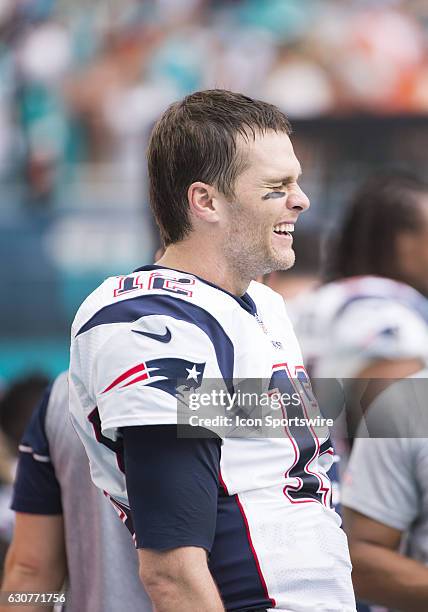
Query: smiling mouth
{"type": "Point", "coordinates": [283, 229]}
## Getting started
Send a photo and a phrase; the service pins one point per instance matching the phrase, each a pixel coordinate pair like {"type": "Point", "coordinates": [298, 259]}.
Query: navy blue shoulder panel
{"type": "Point", "coordinates": [133, 309]}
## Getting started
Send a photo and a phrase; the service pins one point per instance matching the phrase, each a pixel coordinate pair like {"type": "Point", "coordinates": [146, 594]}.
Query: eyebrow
{"type": "Point", "coordinates": [280, 181]}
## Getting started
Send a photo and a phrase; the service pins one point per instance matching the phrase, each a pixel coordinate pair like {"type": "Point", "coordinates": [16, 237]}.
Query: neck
{"type": "Point", "coordinates": [205, 262]}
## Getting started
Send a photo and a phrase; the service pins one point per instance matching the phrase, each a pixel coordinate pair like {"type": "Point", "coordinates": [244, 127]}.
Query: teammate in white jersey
{"type": "Point", "coordinates": [369, 319]}
{"type": "Point", "coordinates": [240, 523]}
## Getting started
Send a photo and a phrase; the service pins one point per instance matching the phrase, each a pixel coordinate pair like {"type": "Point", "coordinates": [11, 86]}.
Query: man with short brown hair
{"type": "Point", "coordinates": [238, 523]}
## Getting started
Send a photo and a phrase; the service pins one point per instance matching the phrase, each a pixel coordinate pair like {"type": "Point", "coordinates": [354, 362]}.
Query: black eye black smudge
{"type": "Point", "coordinates": [273, 194]}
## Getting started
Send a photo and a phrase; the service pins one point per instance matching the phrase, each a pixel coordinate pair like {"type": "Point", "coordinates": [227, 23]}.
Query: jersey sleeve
{"type": "Point", "coordinates": [373, 329]}
{"type": "Point", "coordinates": [145, 369]}
{"type": "Point", "coordinates": [36, 488]}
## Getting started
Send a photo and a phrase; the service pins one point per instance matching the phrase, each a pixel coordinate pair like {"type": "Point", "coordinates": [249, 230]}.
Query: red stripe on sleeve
{"type": "Point", "coordinates": [127, 374]}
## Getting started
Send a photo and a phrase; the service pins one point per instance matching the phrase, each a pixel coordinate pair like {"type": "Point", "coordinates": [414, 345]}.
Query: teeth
{"type": "Point", "coordinates": [284, 227]}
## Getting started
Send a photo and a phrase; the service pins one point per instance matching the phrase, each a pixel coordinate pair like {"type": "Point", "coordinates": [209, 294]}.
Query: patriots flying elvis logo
{"type": "Point", "coordinates": [164, 374]}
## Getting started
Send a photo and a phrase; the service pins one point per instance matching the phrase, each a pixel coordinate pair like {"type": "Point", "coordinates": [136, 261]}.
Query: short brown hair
{"type": "Point", "coordinates": [195, 140]}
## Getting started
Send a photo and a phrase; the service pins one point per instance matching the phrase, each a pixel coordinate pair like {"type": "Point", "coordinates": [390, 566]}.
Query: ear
{"type": "Point", "coordinates": [407, 253]}
{"type": "Point", "coordinates": [202, 201]}
{"type": "Point", "coordinates": [405, 244]}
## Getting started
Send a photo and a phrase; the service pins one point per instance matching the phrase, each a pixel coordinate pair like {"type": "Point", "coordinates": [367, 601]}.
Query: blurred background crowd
{"type": "Point", "coordinates": [81, 84]}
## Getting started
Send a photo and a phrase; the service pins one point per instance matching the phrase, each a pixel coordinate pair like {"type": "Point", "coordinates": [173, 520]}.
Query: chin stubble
{"type": "Point", "coordinates": [250, 255]}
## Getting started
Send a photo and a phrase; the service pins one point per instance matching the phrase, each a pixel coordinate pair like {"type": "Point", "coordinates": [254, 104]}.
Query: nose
{"type": "Point", "coordinates": [298, 200]}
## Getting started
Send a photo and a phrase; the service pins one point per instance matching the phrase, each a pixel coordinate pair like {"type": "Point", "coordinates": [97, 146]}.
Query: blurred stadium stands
{"type": "Point", "coordinates": [82, 83]}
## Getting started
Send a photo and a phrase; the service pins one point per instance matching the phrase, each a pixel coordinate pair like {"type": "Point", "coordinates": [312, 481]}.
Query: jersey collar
{"type": "Point", "coordinates": [245, 301]}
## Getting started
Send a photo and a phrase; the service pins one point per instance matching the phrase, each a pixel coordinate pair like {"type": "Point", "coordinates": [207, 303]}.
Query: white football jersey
{"type": "Point", "coordinates": [345, 325]}
{"type": "Point", "coordinates": [132, 339]}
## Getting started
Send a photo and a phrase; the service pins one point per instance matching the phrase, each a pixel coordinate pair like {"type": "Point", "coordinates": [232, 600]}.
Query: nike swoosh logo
{"type": "Point", "coordinates": [166, 337]}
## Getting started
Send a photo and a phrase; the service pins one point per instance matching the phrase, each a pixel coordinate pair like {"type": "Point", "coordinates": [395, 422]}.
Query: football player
{"type": "Point", "coordinates": [239, 523]}
{"type": "Point", "coordinates": [56, 544]}
{"type": "Point", "coordinates": [369, 317]}
{"type": "Point", "coordinates": [368, 323]}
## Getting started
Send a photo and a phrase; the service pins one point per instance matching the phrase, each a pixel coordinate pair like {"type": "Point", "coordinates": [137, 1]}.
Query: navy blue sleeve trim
{"type": "Point", "coordinates": [36, 488]}
{"type": "Point", "coordinates": [326, 446]}
{"type": "Point", "coordinates": [145, 305]}
{"type": "Point", "coordinates": [172, 487]}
